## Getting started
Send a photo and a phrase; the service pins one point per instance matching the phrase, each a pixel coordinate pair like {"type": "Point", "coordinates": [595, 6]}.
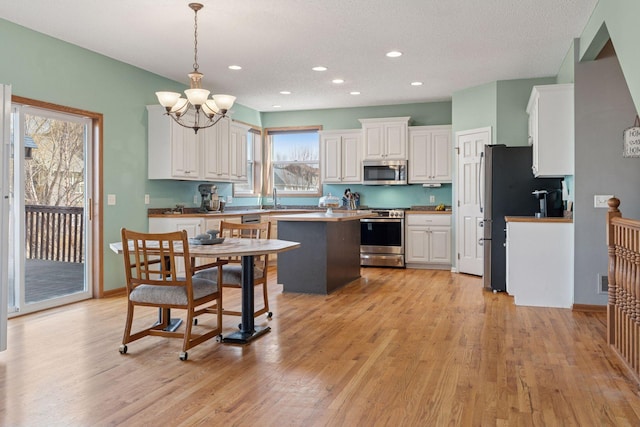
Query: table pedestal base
{"type": "Point", "coordinates": [245, 337]}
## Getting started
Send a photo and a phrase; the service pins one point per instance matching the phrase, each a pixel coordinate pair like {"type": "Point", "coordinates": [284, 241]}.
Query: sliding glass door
{"type": "Point", "coordinates": [50, 182]}
{"type": "Point", "coordinates": [5, 149]}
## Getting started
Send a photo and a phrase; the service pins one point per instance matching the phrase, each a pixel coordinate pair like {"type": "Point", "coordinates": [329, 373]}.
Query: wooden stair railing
{"type": "Point", "coordinates": [623, 308]}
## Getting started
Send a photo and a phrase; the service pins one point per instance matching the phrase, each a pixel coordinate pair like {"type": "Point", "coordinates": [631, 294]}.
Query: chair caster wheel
{"type": "Point", "coordinates": [195, 322]}
{"type": "Point", "coordinates": [269, 315]}
{"type": "Point", "coordinates": [183, 356]}
{"type": "Point", "coordinates": [123, 349]}
{"type": "Point", "coordinates": [219, 338]}
{"type": "Point", "coordinates": [239, 325]}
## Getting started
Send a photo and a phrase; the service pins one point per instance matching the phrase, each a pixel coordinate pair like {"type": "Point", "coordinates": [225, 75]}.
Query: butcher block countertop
{"type": "Point", "coordinates": [426, 211]}
{"type": "Point", "coordinates": [324, 217]}
{"type": "Point", "coordinates": [541, 220]}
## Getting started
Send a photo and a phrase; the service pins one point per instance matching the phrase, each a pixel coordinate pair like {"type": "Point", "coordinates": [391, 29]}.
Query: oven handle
{"type": "Point", "coordinates": [382, 220]}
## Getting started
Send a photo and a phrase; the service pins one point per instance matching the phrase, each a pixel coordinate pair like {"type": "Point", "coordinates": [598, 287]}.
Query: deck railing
{"type": "Point", "coordinates": [623, 309]}
{"type": "Point", "coordinates": [54, 233]}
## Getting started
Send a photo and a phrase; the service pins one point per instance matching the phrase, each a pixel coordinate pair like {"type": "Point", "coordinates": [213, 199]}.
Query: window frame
{"type": "Point", "coordinates": [268, 160]}
{"type": "Point", "coordinates": [254, 164]}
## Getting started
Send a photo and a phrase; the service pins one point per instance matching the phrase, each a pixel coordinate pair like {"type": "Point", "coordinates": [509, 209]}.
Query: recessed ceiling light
{"type": "Point", "coordinates": [276, 106]}
{"type": "Point", "coordinates": [354, 93]}
{"type": "Point", "coordinates": [416, 83]}
{"type": "Point", "coordinates": [394, 54]}
{"type": "Point", "coordinates": [337, 81]}
{"type": "Point", "coordinates": [319, 68]}
{"type": "Point", "coordinates": [235, 67]}
{"type": "Point", "coordinates": [285, 92]}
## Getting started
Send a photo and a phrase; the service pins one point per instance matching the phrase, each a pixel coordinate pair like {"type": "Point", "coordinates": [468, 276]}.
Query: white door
{"type": "Point", "coordinates": [5, 138]}
{"type": "Point", "coordinates": [470, 185]}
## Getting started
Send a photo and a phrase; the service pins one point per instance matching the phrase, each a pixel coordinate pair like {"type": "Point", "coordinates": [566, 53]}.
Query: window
{"type": "Point", "coordinates": [251, 187]}
{"type": "Point", "coordinates": [295, 160]}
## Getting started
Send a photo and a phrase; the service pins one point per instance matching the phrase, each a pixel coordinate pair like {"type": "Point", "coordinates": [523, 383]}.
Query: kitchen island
{"type": "Point", "coordinates": [329, 255]}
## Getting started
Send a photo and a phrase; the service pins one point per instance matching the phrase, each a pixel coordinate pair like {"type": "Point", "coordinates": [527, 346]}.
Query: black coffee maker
{"type": "Point", "coordinates": [550, 203]}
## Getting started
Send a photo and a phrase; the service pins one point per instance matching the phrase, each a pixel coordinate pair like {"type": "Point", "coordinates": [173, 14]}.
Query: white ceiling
{"type": "Point", "coordinates": [447, 44]}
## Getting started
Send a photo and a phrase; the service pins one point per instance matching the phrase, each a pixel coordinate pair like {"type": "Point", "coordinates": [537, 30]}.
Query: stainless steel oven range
{"type": "Point", "coordinates": [382, 239]}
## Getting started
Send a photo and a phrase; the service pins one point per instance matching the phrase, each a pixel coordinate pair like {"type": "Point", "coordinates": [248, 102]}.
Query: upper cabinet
{"type": "Point", "coordinates": [172, 149]}
{"type": "Point", "coordinates": [430, 151]}
{"type": "Point", "coordinates": [341, 156]}
{"type": "Point", "coordinates": [218, 153]}
{"type": "Point", "coordinates": [551, 130]}
{"type": "Point", "coordinates": [385, 139]}
{"type": "Point", "coordinates": [238, 151]}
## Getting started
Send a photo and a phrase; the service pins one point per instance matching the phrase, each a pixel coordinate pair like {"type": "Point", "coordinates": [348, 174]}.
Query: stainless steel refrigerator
{"type": "Point", "coordinates": [508, 184]}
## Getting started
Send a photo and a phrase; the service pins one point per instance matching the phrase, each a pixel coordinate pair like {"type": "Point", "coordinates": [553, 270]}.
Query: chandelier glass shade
{"type": "Point", "coordinates": [207, 111]}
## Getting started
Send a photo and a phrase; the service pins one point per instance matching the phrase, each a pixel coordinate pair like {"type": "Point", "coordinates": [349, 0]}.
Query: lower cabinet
{"type": "Point", "coordinates": [193, 226]}
{"type": "Point", "coordinates": [539, 265]}
{"type": "Point", "coordinates": [428, 241]}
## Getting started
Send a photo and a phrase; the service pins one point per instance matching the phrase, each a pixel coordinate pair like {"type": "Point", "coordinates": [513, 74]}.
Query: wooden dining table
{"type": "Point", "coordinates": [246, 249]}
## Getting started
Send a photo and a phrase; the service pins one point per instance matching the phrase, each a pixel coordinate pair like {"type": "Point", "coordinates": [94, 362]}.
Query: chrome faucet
{"type": "Point", "coordinates": [276, 205]}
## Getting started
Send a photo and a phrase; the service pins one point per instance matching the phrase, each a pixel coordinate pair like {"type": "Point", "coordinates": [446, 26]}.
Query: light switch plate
{"type": "Point", "coordinates": [146, 199]}
{"type": "Point", "coordinates": [432, 199]}
{"type": "Point", "coordinates": [229, 200]}
{"type": "Point", "coordinates": [111, 199]}
{"type": "Point", "coordinates": [600, 201]}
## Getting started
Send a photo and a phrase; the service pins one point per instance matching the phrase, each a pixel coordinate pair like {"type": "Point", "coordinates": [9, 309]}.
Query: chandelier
{"type": "Point", "coordinates": [209, 110]}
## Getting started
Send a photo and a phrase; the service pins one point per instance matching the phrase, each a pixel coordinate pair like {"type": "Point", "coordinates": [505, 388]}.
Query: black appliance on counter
{"type": "Point", "coordinates": [382, 239]}
{"type": "Point", "coordinates": [509, 185]}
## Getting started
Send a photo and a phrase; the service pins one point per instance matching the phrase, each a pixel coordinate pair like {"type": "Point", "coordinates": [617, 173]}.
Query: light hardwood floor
{"type": "Point", "coordinates": [394, 348]}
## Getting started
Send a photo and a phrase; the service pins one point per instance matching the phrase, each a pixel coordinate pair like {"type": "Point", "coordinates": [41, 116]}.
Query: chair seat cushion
{"type": "Point", "coordinates": [231, 274]}
{"type": "Point", "coordinates": [172, 295]}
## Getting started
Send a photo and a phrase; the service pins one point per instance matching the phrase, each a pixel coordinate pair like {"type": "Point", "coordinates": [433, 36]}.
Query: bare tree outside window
{"type": "Point", "coordinates": [55, 173]}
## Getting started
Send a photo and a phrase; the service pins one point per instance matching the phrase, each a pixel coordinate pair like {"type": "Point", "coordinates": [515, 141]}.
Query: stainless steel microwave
{"type": "Point", "coordinates": [384, 172]}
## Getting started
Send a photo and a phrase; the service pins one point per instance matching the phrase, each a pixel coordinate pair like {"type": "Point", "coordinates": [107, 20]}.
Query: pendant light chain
{"type": "Point", "coordinates": [195, 43]}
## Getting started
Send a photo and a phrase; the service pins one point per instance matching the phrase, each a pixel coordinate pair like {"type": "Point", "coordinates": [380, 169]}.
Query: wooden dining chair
{"type": "Point", "coordinates": [232, 271]}
{"type": "Point", "coordinates": [150, 261]}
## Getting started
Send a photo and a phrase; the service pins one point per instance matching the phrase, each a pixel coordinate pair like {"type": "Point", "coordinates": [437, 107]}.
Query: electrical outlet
{"type": "Point", "coordinates": [229, 200]}
{"type": "Point", "coordinates": [603, 284]}
{"type": "Point", "coordinates": [111, 199]}
{"type": "Point", "coordinates": [146, 199]}
{"type": "Point", "coordinates": [600, 201]}
{"type": "Point", "coordinates": [432, 199]}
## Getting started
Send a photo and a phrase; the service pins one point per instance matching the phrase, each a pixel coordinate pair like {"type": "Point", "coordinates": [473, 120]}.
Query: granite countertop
{"type": "Point", "coordinates": [324, 217]}
{"type": "Point", "coordinates": [248, 210]}
{"type": "Point", "coordinates": [538, 220]}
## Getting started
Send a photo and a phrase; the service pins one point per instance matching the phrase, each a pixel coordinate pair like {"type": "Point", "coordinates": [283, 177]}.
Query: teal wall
{"type": "Point", "coordinates": [475, 108]}
{"type": "Point", "coordinates": [423, 114]}
{"type": "Point", "coordinates": [619, 20]}
{"type": "Point", "coordinates": [567, 69]}
{"type": "Point", "coordinates": [512, 123]}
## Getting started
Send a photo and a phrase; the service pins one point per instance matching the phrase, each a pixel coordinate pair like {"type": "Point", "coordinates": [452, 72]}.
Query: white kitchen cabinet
{"type": "Point", "coordinates": [430, 152]}
{"type": "Point", "coordinates": [551, 130]}
{"type": "Point", "coordinates": [172, 149]}
{"type": "Point", "coordinates": [193, 226]}
{"type": "Point", "coordinates": [540, 263]}
{"type": "Point", "coordinates": [238, 151]}
{"type": "Point", "coordinates": [385, 138]}
{"type": "Point", "coordinates": [428, 241]}
{"type": "Point", "coordinates": [215, 150]}
{"type": "Point", "coordinates": [341, 156]}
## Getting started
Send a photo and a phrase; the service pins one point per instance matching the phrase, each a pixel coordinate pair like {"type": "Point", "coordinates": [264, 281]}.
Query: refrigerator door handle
{"type": "Point", "coordinates": [480, 182]}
